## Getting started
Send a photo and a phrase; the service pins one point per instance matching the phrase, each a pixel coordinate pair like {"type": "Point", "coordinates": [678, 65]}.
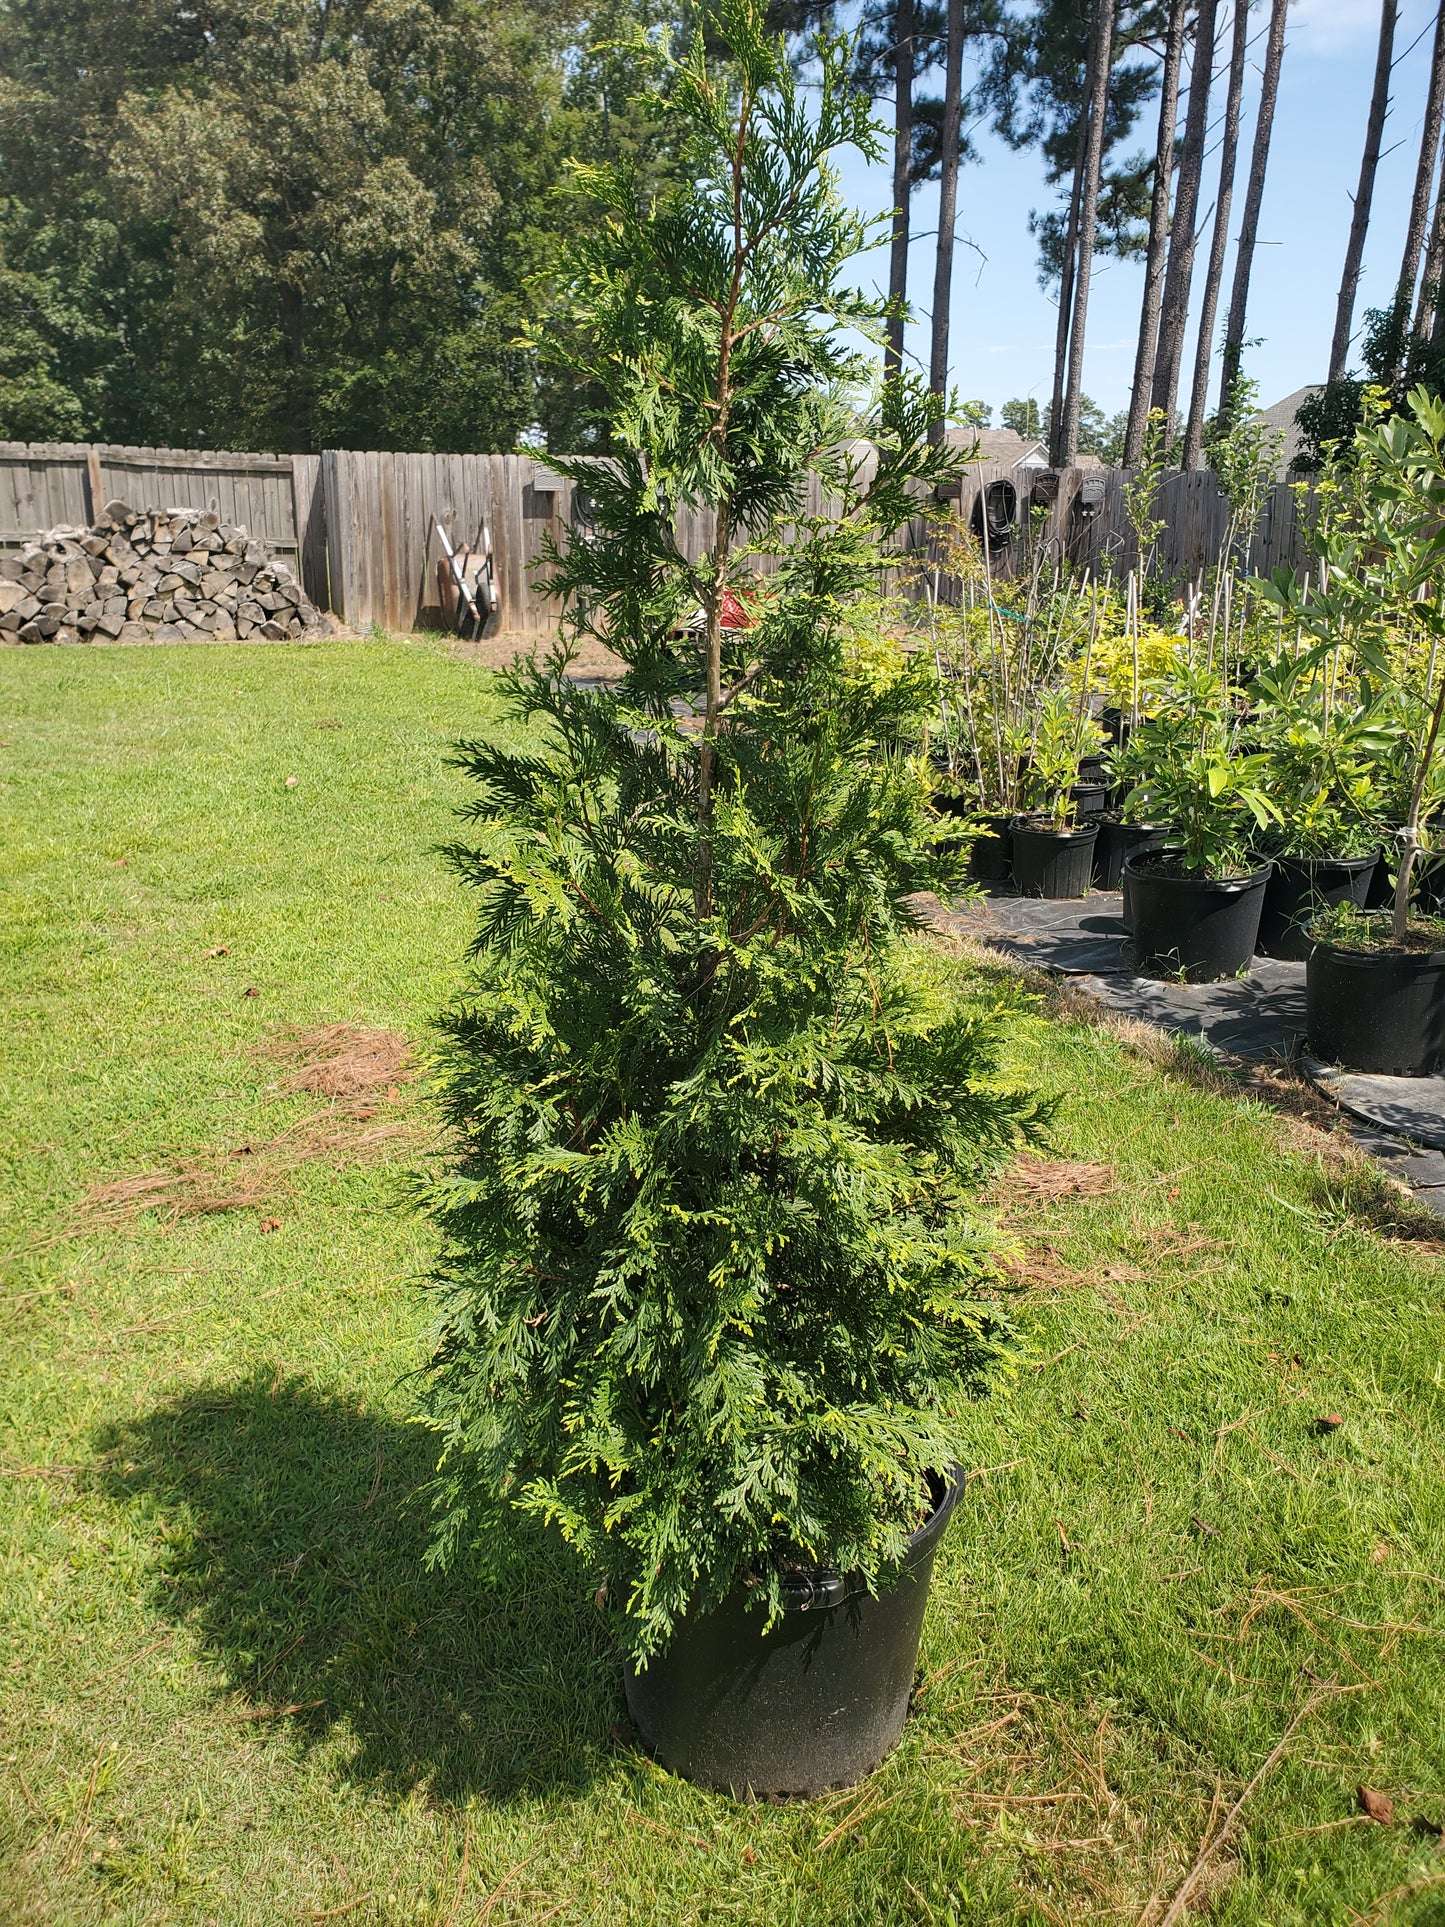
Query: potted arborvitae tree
{"type": "Point", "coordinates": [1375, 983]}
{"type": "Point", "coordinates": [713, 1290]}
{"type": "Point", "coordinates": [1196, 900]}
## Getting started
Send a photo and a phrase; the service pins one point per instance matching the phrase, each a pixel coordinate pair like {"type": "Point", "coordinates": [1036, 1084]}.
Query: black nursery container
{"type": "Point", "coordinates": [990, 856]}
{"type": "Point", "coordinates": [1052, 863]}
{"type": "Point", "coordinates": [815, 1702]}
{"type": "Point", "coordinates": [1197, 928]}
{"type": "Point", "coordinates": [1089, 796]}
{"type": "Point", "coordinates": [1117, 840]}
{"type": "Point", "coordinates": [1380, 1011]}
{"type": "Point", "coordinates": [1301, 885]}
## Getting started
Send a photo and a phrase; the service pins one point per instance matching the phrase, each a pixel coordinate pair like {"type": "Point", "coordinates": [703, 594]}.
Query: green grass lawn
{"type": "Point", "coordinates": [229, 1691]}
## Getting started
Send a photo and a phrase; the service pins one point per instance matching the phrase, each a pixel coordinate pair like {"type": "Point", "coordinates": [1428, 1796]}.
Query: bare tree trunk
{"type": "Point", "coordinates": [1218, 240]}
{"type": "Point", "coordinates": [1364, 193]}
{"type": "Point", "coordinates": [1066, 298]}
{"type": "Point", "coordinates": [1102, 61]}
{"type": "Point", "coordinates": [902, 181]}
{"type": "Point", "coordinates": [947, 209]}
{"type": "Point", "coordinates": [1425, 299]}
{"type": "Point", "coordinates": [1138, 424]}
{"type": "Point", "coordinates": [1424, 168]}
{"type": "Point", "coordinates": [1426, 318]}
{"type": "Point", "coordinates": [1253, 201]}
{"type": "Point", "coordinates": [1179, 274]}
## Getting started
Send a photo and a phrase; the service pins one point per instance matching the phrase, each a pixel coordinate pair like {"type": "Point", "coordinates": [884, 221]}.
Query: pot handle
{"type": "Point", "coordinates": [814, 1591]}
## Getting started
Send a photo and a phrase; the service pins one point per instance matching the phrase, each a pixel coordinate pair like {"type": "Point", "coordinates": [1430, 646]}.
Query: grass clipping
{"type": "Point", "coordinates": [362, 1074]}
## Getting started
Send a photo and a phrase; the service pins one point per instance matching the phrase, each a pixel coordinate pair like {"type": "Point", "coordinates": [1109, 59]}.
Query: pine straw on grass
{"type": "Point", "coordinates": [362, 1073]}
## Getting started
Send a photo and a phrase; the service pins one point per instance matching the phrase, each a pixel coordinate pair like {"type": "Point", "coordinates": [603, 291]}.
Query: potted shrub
{"type": "Point", "coordinates": [1196, 901]}
{"type": "Point", "coordinates": [712, 1290]}
{"type": "Point", "coordinates": [1053, 850]}
{"type": "Point", "coordinates": [1323, 743]}
{"type": "Point", "coordinates": [1375, 982]}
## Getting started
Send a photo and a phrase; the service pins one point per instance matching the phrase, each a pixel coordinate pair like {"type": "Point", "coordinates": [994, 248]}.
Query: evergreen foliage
{"type": "Point", "coordinates": [713, 1289]}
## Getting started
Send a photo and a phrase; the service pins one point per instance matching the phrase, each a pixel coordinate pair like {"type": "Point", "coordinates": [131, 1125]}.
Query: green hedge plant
{"type": "Point", "coordinates": [714, 1284]}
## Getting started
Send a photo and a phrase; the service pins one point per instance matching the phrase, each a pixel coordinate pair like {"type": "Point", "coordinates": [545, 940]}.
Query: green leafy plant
{"type": "Point", "coordinates": [1380, 594]}
{"type": "Point", "coordinates": [712, 1289]}
{"type": "Point", "coordinates": [1063, 732]}
{"type": "Point", "coordinates": [1325, 747]}
{"type": "Point", "coordinates": [1187, 771]}
{"type": "Point", "coordinates": [1143, 487]}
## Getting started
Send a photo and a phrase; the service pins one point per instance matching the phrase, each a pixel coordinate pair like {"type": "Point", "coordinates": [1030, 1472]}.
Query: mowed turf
{"type": "Point", "coordinates": [229, 1689]}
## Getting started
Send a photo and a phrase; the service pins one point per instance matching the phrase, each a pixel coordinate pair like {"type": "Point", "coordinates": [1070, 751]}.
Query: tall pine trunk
{"type": "Point", "coordinates": [1101, 67]}
{"type": "Point", "coordinates": [1218, 240]}
{"type": "Point", "coordinates": [902, 181]}
{"type": "Point", "coordinates": [1179, 273]}
{"type": "Point", "coordinates": [1432, 154]}
{"type": "Point", "coordinates": [947, 208]}
{"type": "Point", "coordinates": [1253, 201]}
{"type": "Point", "coordinates": [1066, 296]}
{"type": "Point", "coordinates": [1426, 301]}
{"type": "Point", "coordinates": [1138, 424]}
{"type": "Point", "coordinates": [1425, 166]}
{"type": "Point", "coordinates": [1364, 193]}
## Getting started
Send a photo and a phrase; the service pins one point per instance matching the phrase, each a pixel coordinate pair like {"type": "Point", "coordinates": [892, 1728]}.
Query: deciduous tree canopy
{"type": "Point", "coordinates": [283, 223]}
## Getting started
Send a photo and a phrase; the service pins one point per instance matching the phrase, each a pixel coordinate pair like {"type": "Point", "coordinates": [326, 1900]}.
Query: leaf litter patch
{"type": "Point", "coordinates": [364, 1077]}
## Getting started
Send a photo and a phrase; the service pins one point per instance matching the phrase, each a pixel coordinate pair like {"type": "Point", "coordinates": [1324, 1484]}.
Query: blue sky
{"type": "Point", "coordinates": [1003, 325]}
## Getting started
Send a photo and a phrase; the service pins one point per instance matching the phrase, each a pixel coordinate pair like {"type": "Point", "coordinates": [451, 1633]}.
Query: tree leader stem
{"type": "Point", "coordinates": [722, 543]}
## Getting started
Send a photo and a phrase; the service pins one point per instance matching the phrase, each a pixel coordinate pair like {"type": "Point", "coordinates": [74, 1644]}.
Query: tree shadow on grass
{"type": "Point", "coordinates": [291, 1544]}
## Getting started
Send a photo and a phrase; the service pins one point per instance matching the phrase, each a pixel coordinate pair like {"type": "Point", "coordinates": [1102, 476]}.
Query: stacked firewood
{"type": "Point", "coordinates": [151, 575]}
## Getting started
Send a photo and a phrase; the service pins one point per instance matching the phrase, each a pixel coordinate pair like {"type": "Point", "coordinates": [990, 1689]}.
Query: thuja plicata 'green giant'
{"type": "Point", "coordinates": [713, 1288]}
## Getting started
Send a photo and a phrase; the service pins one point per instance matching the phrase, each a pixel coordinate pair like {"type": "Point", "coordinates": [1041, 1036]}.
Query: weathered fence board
{"type": "Point", "coordinates": [358, 524]}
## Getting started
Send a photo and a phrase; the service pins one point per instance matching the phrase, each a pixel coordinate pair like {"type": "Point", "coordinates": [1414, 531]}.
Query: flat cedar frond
{"type": "Point", "coordinates": [714, 1279]}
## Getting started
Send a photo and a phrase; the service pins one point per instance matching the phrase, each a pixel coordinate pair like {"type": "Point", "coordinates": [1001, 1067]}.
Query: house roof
{"type": "Point", "coordinates": [1003, 445]}
{"type": "Point", "coordinates": [1281, 414]}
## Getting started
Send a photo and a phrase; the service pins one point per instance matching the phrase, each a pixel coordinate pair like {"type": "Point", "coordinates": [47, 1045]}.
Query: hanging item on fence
{"type": "Point", "coordinates": [467, 582]}
{"type": "Point", "coordinates": [999, 501]}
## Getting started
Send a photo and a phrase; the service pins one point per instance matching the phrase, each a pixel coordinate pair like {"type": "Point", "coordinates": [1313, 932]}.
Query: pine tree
{"type": "Point", "coordinates": [1218, 240]}
{"type": "Point", "coordinates": [1233, 352]}
{"type": "Point", "coordinates": [1364, 192]}
{"type": "Point", "coordinates": [712, 1288]}
{"type": "Point", "coordinates": [1160, 186]}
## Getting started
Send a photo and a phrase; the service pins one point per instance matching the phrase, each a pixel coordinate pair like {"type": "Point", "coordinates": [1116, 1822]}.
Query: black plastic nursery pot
{"type": "Point", "coordinates": [1088, 796]}
{"type": "Point", "coordinates": [1052, 863]}
{"type": "Point", "coordinates": [1117, 840]}
{"type": "Point", "coordinates": [1381, 1011]}
{"type": "Point", "coordinates": [1299, 886]}
{"type": "Point", "coordinates": [990, 854]}
{"type": "Point", "coordinates": [815, 1702]}
{"type": "Point", "coordinates": [1196, 928]}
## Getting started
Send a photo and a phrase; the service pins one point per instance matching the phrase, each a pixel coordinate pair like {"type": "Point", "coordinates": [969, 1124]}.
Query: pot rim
{"type": "Point", "coordinates": [1137, 860]}
{"type": "Point", "coordinates": [1326, 862]}
{"type": "Point", "coordinates": [1030, 828]}
{"type": "Point", "coordinates": [1379, 959]}
{"type": "Point", "coordinates": [824, 1588]}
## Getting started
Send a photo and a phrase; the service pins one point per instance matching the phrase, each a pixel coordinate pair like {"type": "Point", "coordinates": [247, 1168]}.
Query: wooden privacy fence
{"type": "Point", "coordinates": [45, 484]}
{"type": "Point", "coordinates": [357, 526]}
